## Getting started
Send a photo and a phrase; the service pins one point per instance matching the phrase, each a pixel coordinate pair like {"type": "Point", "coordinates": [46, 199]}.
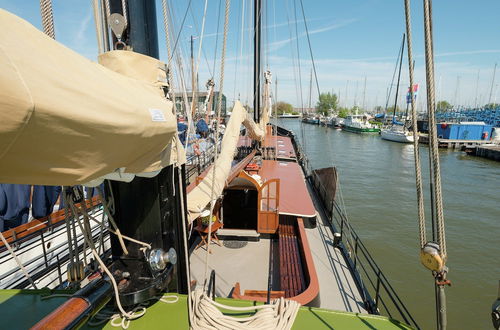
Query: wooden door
{"type": "Point", "coordinates": [268, 205]}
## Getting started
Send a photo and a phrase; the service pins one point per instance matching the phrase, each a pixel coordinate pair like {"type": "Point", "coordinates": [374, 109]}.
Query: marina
{"type": "Point", "coordinates": [384, 217]}
{"type": "Point", "coordinates": [153, 174]}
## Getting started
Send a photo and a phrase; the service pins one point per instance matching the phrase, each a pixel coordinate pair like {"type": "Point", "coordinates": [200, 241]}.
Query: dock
{"type": "Point", "coordinates": [454, 144]}
{"type": "Point", "coordinates": [486, 151]}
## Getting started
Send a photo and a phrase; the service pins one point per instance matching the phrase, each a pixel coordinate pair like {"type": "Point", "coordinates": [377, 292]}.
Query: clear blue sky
{"type": "Point", "coordinates": [351, 40]}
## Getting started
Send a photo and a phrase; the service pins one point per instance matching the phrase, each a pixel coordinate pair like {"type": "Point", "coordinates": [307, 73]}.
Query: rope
{"type": "Point", "coordinates": [279, 314]}
{"type": "Point", "coordinates": [116, 319]}
{"type": "Point", "coordinates": [98, 26]}
{"type": "Point", "coordinates": [170, 73]}
{"type": "Point", "coordinates": [108, 9]}
{"type": "Point", "coordinates": [310, 48]}
{"type": "Point", "coordinates": [217, 128]}
{"type": "Point", "coordinates": [433, 140]}
{"type": "Point", "coordinates": [90, 243]}
{"type": "Point", "coordinates": [47, 18]}
{"type": "Point", "coordinates": [13, 254]}
{"type": "Point", "coordinates": [124, 11]}
{"type": "Point", "coordinates": [416, 150]}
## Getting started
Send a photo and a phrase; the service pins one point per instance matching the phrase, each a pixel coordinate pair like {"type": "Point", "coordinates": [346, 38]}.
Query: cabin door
{"type": "Point", "coordinates": [268, 205]}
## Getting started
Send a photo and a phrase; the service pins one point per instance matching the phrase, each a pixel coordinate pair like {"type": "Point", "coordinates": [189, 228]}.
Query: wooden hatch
{"type": "Point", "coordinates": [268, 204]}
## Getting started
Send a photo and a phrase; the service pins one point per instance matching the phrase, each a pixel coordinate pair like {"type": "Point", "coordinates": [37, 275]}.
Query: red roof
{"type": "Point", "coordinates": [294, 196]}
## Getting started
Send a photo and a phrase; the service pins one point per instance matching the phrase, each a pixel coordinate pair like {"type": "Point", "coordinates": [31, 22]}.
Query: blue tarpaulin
{"type": "Point", "coordinates": [201, 126]}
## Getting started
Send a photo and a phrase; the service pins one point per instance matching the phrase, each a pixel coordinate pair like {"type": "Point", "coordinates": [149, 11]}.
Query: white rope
{"type": "Point", "coordinates": [47, 18]}
{"type": "Point", "coordinates": [416, 151]}
{"type": "Point", "coordinates": [98, 25]}
{"type": "Point", "coordinates": [90, 243]}
{"type": "Point", "coordinates": [217, 129]}
{"type": "Point", "coordinates": [279, 314]}
{"type": "Point", "coordinates": [13, 254]}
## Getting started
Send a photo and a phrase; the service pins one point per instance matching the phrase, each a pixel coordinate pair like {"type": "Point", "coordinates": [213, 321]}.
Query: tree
{"type": "Point", "coordinates": [282, 107]}
{"type": "Point", "coordinates": [344, 112]}
{"type": "Point", "coordinates": [491, 106]}
{"type": "Point", "coordinates": [443, 106]}
{"type": "Point", "coordinates": [327, 102]}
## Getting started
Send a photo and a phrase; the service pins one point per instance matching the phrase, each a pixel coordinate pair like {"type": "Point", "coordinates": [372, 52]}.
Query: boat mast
{"type": "Point", "coordinates": [399, 77]}
{"type": "Point", "coordinates": [492, 83]}
{"type": "Point", "coordinates": [256, 59]}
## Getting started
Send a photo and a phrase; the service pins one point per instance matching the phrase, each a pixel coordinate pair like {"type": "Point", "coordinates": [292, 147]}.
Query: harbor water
{"type": "Point", "coordinates": [377, 183]}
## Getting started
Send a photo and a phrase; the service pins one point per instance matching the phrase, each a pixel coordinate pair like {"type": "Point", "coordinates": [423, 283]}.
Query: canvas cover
{"type": "Point", "coordinates": [212, 185]}
{"type": "Point", "coordinates": [65, 120]}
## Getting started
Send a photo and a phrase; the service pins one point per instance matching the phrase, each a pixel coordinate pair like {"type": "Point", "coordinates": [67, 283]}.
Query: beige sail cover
{"type": "Point", "coordinates": [212, 185]}
{"type": "Point", "coordinates": [65, 120]}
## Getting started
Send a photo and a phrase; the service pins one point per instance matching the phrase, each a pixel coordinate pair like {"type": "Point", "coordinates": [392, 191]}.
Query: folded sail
{"type": "Point", "coordinates": [212, 186]}
{"type": "Point", "coordinates": [65, 120]}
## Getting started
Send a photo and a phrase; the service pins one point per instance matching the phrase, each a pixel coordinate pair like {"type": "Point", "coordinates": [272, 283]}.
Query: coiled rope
{"type": "Point", "coordinates": [47, 18]}
{"type": "Point", "coordinates": [279, 314]}
{"type": "Point", "coordinates": [416, 150]}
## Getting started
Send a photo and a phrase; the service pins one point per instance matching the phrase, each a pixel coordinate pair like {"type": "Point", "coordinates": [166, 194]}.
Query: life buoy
{"type": "Point", "coordinates": [444, 125]}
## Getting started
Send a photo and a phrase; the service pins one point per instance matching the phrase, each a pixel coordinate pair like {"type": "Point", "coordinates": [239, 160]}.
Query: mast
{"type": "Point", "coordinates": [256, 60]}
{"type": "Point", "coordinates": [399, 77]}
{"type": "Point", "coordinates": [492, 83]}
{"type": "Point", "coordinates": [193, 82]}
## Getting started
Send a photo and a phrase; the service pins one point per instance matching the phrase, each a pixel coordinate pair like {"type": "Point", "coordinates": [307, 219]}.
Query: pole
{"type": "Point", "coordinates": [256, 63]}
{"type": "Point", "coordinates": [193, 81]}
{"type": "Point", "coordinates": [492, 83]}
{"type": "Point", "coordinates": [399, 77]}
{"type": "Point", "coordinates": [477, 87]}
{"type": "Point", "coordinates": [364, 95]}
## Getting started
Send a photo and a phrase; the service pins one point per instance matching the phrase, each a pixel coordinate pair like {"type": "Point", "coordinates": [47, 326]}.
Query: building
{"type": "Point", "coordinates": [179, 101]}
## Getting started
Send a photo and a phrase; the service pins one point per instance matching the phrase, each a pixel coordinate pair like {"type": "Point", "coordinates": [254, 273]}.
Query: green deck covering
{"type": "Point", "coordinates": [21, 309]}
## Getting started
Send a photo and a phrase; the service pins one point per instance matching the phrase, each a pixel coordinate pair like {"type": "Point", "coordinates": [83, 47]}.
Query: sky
{"type": "Point", "coordinates": [350, 41]}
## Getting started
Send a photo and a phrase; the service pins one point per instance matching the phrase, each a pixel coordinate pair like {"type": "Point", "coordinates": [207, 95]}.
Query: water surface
{"type": "Point", "coordinates": [377, 180]}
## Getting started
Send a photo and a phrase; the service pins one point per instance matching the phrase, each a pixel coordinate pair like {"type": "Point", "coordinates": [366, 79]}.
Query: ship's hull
{"type": "Point", "coordinates": [360, 130]}
{"type": "Point", "coordinates": [401, 137]}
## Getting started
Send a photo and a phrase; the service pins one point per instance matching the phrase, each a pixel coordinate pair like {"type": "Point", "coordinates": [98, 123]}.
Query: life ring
{"type": "Point", "coordinates": [444, 125]}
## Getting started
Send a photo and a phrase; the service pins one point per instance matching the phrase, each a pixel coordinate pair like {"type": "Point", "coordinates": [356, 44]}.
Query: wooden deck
{"type": "Point", "coordinates": [338, 291]}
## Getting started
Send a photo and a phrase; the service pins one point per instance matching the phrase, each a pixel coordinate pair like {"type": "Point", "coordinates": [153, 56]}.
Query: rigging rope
{"type": "Point", "coordinates": [216, 147]}
{"type": "Point", "coordinates": [416, 151]}
{"type": "Point", "coordinates": [98, 25]}
{"type": "Point", "coordinates": [170, 73]}
{"type": "Point", "coordinates": [310, 48]}
{"type": "Point", "coordinates": [433, 140]}
{"type": "Point", "coordinates": [47, 18]}
{"type": "Point", "coordinates": [21, 266]}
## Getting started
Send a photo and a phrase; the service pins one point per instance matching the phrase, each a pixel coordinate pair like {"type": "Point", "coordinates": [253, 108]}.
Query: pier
{"type": "Point", "coordinates": [453, 143]}
{"type": "Point", "coordinates": [486, 151]}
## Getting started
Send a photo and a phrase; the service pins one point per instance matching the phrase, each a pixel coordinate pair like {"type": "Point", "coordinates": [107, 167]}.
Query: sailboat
{"type": "Point", "coordinates": [398, 132]}
{"type": "Point", "coordinates": [112, 126]}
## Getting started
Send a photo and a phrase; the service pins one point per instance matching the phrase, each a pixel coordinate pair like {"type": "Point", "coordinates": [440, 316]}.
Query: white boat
{"type": "Point", "coordinates": [397, 134]}
{"type": "Point", "coordinates": [288, 115]}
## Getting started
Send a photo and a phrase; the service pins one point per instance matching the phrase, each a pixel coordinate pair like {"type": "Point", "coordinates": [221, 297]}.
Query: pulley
{"type": "Point", "coordinates": [430, 257]}
{"type": "Point", "coordinates": [158, 259]}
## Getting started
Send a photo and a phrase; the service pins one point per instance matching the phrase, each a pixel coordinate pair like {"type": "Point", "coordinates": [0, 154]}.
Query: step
{"type": "Point", "coordinates": [248, 233]}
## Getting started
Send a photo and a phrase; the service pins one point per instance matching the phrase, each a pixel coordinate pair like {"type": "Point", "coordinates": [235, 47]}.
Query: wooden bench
{"type": "Point", "coordinates": [292, 280]}
{"type": "Point", "coordinates": [298, 277]}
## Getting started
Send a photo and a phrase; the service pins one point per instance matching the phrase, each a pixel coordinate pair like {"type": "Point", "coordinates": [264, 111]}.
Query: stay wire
{"type": "Point", "coordinates": [310, 48]}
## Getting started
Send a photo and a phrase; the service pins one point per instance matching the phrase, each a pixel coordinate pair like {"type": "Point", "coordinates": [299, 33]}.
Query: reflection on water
{"type": "Point", "coordinates": [378, 186]}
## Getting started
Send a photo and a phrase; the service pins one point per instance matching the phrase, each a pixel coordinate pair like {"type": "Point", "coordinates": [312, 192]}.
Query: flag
{"type": "Point", "coordinates": [415, 92]}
